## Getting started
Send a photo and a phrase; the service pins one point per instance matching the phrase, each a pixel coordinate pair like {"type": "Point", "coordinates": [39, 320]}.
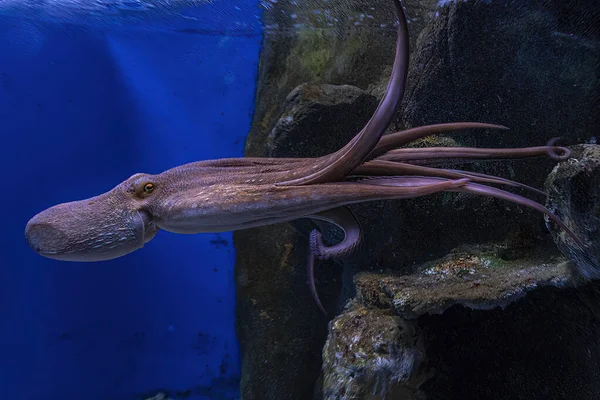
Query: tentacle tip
{"type": "Point", "coordinates": [557, 153]}
{"type": "Point", "coordinates": [490, 125]}
{"type": "Point", "coordinates": [310, 266]}
{"type": "Point", "coordinates": [318, 301]}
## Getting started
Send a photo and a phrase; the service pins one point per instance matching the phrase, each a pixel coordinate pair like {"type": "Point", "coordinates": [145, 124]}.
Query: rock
{"type": "Point", "coordinates": [574, 195]}
{"type": "Point", "coordinates": [372, 354]}
{"type": "Point", "coordinates": [545, 346]}
{"type": "Point", "coordinates": [317, 118]}
{"type": "Point", "coordinates": [471, 276]}
{"type": "Point", "coordinates": [524, 64]}
{"type": "Point", "coordinates": [335, 42]}
{"type": "Point", "coordinates": [280, 329]}
{"type": "Point", "coordinates": [459, 74]}
{"type": "Point", "coordinates": [452, 63]}
{"type": "Point", "coordinates": [475, 326]}
{"type": "Point", "coordinates": [525, 67]}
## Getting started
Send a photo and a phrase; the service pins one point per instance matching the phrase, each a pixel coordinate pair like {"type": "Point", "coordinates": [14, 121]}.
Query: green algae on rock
{"type": "Point", "coordinates": [473, 277]}
{"type": "Point", "coordinates": [377, 348]}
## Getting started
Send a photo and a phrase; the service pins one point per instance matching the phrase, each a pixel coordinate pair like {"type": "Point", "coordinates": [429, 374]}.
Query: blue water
{"type": "Point", "coordinates": [84, 105]}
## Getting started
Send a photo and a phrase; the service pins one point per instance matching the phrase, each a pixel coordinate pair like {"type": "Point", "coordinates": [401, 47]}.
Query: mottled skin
{"type": "Point", "coordinates": [239, 193]}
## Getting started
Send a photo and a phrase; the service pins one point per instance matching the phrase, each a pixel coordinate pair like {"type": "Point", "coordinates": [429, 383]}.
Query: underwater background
{"type": "Point", "coordinates": [450, 296]}
{"type": "Point", "coordinates": [91, 93]}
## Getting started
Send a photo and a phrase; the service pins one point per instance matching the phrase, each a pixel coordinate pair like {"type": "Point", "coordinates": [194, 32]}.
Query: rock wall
{"type": "Point", "coordinates": [470, 325]}
{"type": "Point", "coordinates": [530, 65]}
{"type": "Point", "coordinates": [574, 195]}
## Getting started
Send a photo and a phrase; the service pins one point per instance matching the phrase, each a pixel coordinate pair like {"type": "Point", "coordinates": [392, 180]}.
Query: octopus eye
{"type": "Point", "coordinates": [148, 188]}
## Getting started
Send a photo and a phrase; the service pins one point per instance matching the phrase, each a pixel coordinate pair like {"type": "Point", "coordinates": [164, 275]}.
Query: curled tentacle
{"type": "Point", "coordinates": [310, 268]}
{"type": "Point", "coordinates": [343, 219]}
{"type": "Point", "coordinates": [352, 235]}
{"type": "Point", "coordinates": [552, 152]}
